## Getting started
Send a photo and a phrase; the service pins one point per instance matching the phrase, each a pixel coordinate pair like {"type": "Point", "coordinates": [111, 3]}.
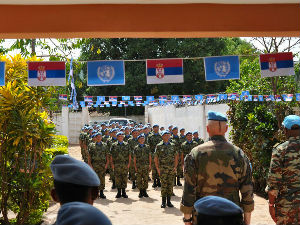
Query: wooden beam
{"type": "Point", "coordinates": [152, 21]}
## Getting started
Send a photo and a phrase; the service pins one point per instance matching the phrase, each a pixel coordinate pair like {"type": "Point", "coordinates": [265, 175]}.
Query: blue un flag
{"type": "Point", "coordinates": [104, 73]}
{"type": "Point", "coordinates": [222, 68]}
{"type": "Point", "coordinates": [2, 73]}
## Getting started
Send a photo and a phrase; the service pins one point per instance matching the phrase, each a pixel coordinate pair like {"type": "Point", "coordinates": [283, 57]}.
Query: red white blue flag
{"type": "Point", "coordinates": [46, 74]}
{"type": "Point", "coordinates": [63, 97]}
{"type": "Point", "coordinates": [161, 71]}
{"type": "Point", "coordinates": [277, 64]}
{"type": "Point", "coordinates": [113, 98]}
{"type": "Point", "coordinates": [88, 98]}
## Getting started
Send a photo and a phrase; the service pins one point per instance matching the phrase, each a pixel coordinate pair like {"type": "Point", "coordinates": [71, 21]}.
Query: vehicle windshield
{"type": "Point", "coordinates": [121, 122]}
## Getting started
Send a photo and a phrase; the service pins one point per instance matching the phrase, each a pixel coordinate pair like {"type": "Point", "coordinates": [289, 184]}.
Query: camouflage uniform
{"type": "Point", "coordinates": [217, 168]}
{"type": "Point", "coordinates": [176, 141]}
{"type": "Point", "coordinates": [127, 137]}
{"type": "Point", "coordinates": [141, 153]}
{"type": "Point", "coordinates": [109, 142]}
{"type": "Point", "coordinates": [198, 140]}
{"type": "Point", "coordinates": [284, 179]}
{"type": "Point", "coordinates": [87, 142]}
{"type": "Point", "coordinates": [153, 140]}
{"type": "Point", "coordinates": [182, 139]}
{"type": "Point", "coordinates": [120, 154]}
{"type": "Point", "coordinates": [132, 143]}
{"type": "Point", "coordinates": [166, 154]}
{"type": "Point", "coordinates": [187, 146]}
{"type": "Point", "coordinates": [82, 141]}
{"type": "Point", "coordinates": [99, 153]}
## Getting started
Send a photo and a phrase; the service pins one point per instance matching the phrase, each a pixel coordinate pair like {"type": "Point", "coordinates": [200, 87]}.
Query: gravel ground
{"type": "Point", "coordinates": [137, 211]}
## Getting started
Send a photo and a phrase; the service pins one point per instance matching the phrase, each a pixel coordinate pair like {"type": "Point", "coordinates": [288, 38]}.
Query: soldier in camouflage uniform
{"type": "Point", "coordinates": [182, 137]}
{"type": "Point", "coordinates": [86, 142]}
{"type": "Point", "coordinates": [196, 138]}
{"type": "Point", "coordinates": [153, 139]}
{"type": "Point", "coordinates": [187, 146]}
{"type": "Point", "coordinates": [120, 162]}
{"type": "Point", "coordinates": [132, 143]}
{"type": "Point", "coordinates": [166, 159]}
{"type": "Point", "coordinates": [142, 164]}
{"type": "Point", "coordinates": [217, 168]}
{"type": "Point", "coordinates": [176, 140]}
{"type": "Point", "coordinates": [99, 154]}
{"type": "Point", "coordinates": [82, 135]}
{"type": "Point", "coordinates": [127, 134]}
{"type": "Point", "coordinates": [112, 139]}
{"type": "Point", "coordinates": [284, 176]}
{"type": "Point", "coordinates": [105, 136]}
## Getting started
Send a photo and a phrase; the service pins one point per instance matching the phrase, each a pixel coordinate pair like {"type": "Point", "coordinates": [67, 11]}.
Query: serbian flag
{"type": "Point", "coordinates": [162, 71]}
{"type": "Point", "coordinates": [63, 97]}
{"type": "Point", "coordinates": [287, 97]}
{"type": "Point", "coordinates": [113, 98]}
{"type": "Point", "coordinates": [46, 74]}
{"type": "Point", "coordinates": [88, 98]}
{"type": "Point", "coordinates": [277, 64]}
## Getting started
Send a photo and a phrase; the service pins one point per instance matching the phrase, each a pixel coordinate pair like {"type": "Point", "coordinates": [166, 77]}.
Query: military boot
{"type": "Point", "coordinates": [133, 185]}
{"type": "Point", "coordinates": [169, 204]}
{"type": "Point", "coordinates": [163, 202]}
{"type": "Point", "coordinates": [154, 183]}
{"type": "Point", "coordinates": [158, 183]}
{"type": "Point", "coordinates": [124, 193]}
{"type": "Point", "coordinates": [141, 194]}
{"type": "Point", "coordinates": [119, 193]}
{"type": "Point", "coordinates": [102, 195]}
{"type": "Point", "coordinates": [145, 194]}
{"type": "Point", "coordinates": [113, 185]}
{"type": "Point", "coordinates": [178, 181]}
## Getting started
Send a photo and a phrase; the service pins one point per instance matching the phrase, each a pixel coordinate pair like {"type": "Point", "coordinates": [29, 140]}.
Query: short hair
{"type": "Point", "coordinates": [295, 127]}
{"type": "Point", "coordinates": [68, 192]}
{"type": "Point", "coordinates": [220, 220]}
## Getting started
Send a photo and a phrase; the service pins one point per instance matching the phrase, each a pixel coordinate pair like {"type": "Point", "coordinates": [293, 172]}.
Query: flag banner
{"type": "Point", "coordinates": [162, 101]}
{"type": "Point", "coordinates": [222, 68]}
{"type": "Point", "coordinates": [162, 71]}
{"type": "Point", "coordinates": [96, 105]}
{"type": "Point", "coordinates": [211, 98]}
{"type": "Point", "coordinates": [222, 97]}
{"type": "Point", "coordinates": [101, 105]}
{"type": "Point", "coordinates": [70, 106]}
{"type": "Point", "coordinates": [277, 64]}
{"type": "Point", "coordinates": [138, 103]}
{"type": "Point", "coordinates": [46, 74]}
{"type": "Point", "coordinates": [2, 73]}
{"type": "Point", "coordinates": [277, 98]}
{"type": "Point", "coordinates": [107, 105]}
{"type": "Point", "coordinates": [82, 104]}
{"type": "Point", "coordinates": [248, 98]}
{"type": "Point", "coordinates": [287, 97]}
{"type": "Point", "coordinates": [232, 96]}
{"type": "Point", "coordinates": [138, 98]}
{"type": "Point", "coordinates": [162, 97]}
{"type": "Point", "coordinates": [298, 97]}
{"type": "Point", "coordinates": [63, 97]}
{"type": "Point", "coordinates": [104, 73]}
{"type": "Point", "coordinates": [261, 98]}
{"type": "Point", "coordinates": [125, 105]}
{"type": "Point", "coordinates": [126, 98]}
{"type": "Point", "coordinates": [175, 98]}
{"type": "Point", "coordinates": [90, 104]}
{"type": "Point", "coordinates": [120, 105]}
{"type": "Point", "coordinates": [88, 98]}
{"type": "Point", "coordinates": [245, 93]}
{"type": "Point", "coordinates": [255, 98]}
{"type": "Point", "coordinates": [114, 103]}
{"type": "Point", "coordinates": [269, 98]}
{"type": "Point", "coordinates": [187, 98]}
{"type": "Point", "coordinates": [122, 102]}
{"type": "Point", "coordinates": [100, 98]}
{"type": "Point", "coordinates": [113, 98]}
{"type": "Point", "coordinates": [199, 97]}
{"type": "Point", "coordinates": [150, 98]}
{"type": "Point", "coordinates": [130, 103]}
{"type": "Point", "coordinates": [146, 103]}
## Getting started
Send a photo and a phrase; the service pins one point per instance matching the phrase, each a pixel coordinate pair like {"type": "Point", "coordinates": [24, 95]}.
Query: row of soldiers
{"type": "Point", "coordinates": [137, 149]}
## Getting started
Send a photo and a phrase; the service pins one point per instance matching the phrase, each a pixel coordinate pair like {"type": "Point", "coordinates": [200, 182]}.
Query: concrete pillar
{"type": "Point", "coordinates": [146, 115]}
{"type": "Point", "coordinates": [65, 121]}
{"type": "Point", "coordinates": [204, 122]}
{"type": "Point", "coordinates": [85, 117]}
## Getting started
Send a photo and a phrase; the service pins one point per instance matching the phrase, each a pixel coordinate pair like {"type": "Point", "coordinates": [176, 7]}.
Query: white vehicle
{"type": "Point", "coordinates": [121, 121]}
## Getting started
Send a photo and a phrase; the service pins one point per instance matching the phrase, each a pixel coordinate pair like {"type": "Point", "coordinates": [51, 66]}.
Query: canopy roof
{"type": "Point", "coordinates": [139, 18]}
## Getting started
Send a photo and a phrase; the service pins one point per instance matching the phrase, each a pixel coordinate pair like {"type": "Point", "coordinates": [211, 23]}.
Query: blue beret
{"type": "Point", "coordinates": [145, 127]}
{"type": "Point", "coordinates": [94, 131]}
{"type": "Point", "coordinates": [195, 132]}
{"type": "Point", "coordinates": [182, 129]}
{"type": "Point", "coordinates": [189, 132]}
{"type": "Point", "coordinates": [79, 213]}
{"type": "Point", "coordinates": [141, 136]}
{"type": "Point", "coordinates": [170, 126]}
{"type": "Point", "coordinates": [290, 121]}
{"type": "Point", "coordinates": [94, 135]}
{"type": "Point", "coordinates": [122, 129]}
{"type": "Point", "coordinates": [211, 115]}
{"type": "Point", "coordinates": [126, 127]}
{"type": "Point", "coordinates": [69, 170]}
{"type": "Point", "coordinates": [164, 132]}
{"type": "Point", "coordinates": [135, 129]}
{"type": "Point", "coordinates": [97, 134]}
{"type": "Point", "coordinates": [175, 128]}
{"type": "Point", "coordinates": [217, 206]}
{"type": "Point", "coordinates": [90, 128]}
{"type": "Point", "coordinates": [155, 125]}
{"type": "Point", "coordinates": [120, 133]}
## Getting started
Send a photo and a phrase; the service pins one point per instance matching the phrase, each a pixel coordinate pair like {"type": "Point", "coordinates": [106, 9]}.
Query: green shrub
{"type": "Point", "coordinates": [60, 140]}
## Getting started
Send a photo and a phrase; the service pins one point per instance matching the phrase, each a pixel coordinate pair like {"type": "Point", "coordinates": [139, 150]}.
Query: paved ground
{"type": "Point", "coordinates": [137, 211]}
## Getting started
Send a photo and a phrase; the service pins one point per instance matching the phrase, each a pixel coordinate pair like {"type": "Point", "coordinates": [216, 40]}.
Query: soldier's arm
{"type": "Point", "coordinates": [150, 161]}
{"type": "Point", "coordinates": [156, 164]}
{"type": "Point", "coordinates": [189, 190]}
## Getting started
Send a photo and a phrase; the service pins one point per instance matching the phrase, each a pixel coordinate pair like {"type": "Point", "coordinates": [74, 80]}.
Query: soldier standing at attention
{"type": "Point", "coordinates": [127, 134]}
{"type": "Point", "coordinates": [120, 162]}
{"type": "Point", "coordinates": [92, 143]}
{"type": "Point", "coordinates": [105, 136]}
{"type": "Point", "coordinates": [187, 146]}
{"type": "Point", "coordinates": [217, 168]}
{"type": "Point", "coordinates": [284, 176]}
{"type": "Point", "coordinates": [176, 140]}
{"type": "Point", "coordinates": [153, 139]}
{"type": "Point", "coordinates": [142, 164]}
{"type": "Point", "coordinates": [110, 141]}
{"type": "Point", "coordinates": [182, 137]}
{"type": "Point", "coordinates": [99, 154]}
{"type": "Point", "coordinates": [166, 159]}
{"type": "Point", "coordinates": [196, 138]}
{"type": "Point", "coordinates": [132, 143]}
{"type": "Point", "coordinates": [82, 135]}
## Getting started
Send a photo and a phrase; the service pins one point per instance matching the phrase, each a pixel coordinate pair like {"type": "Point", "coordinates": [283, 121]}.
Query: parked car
{"type": "Point", "coordinates": [121, 121]}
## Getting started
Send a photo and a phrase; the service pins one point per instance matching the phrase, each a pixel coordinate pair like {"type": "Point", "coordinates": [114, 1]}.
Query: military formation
{"type": "Point", "coordinates": [134, 152]}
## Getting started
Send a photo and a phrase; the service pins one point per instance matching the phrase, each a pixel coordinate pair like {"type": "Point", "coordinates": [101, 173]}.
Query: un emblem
{"type": "Point", "coordinates": [222, 68]}
{"type": "Point", "coordinates": [106, 73]}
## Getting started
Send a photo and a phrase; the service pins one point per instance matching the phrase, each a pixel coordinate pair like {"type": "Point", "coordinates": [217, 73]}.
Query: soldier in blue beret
{"type": "Point", "coordinates": [79, 213]}
{"type": "Point", "coordinates": [214, 210]}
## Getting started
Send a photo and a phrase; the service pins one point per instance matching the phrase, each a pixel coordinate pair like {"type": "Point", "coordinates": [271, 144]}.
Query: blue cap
{"type": "Point", "coordinates": [189, 132]}
{"type": "Point", "coordinates": [126, 128]}
{"type": "Point", "coordinates": [175, 128]}
{"type": "Point", "coordinates": [217, 206]}
{"type": "Point", "coordinates": [170, 126]}
{"type": "Point", "coordinates": [94, 135]}
{"type": "Point", "coordinates": [145, 127]}
{"type": "Point", "coordinates": [69, 170]}
{"type": "Point", "coordinates": [120, 133]}
{"type": "Point", "coordinates": [164, 132]}
{"type": "Point", "coordinates": [134, 129]}
{"type": "Point", "coordinates": [195, 132]}
{"type": "Point", "coordinates": [80, 213]}
{"type": "Point", "coordinates": [290, 121]}
{"type": "Point", "coordinates": [155, 125]}
{"type": "Point", "coordinates": [97, 134]}
{"type": "Point", "coordinates": [141, 136]}
{"type": "Point", "coordinates": [212, 115]}
{"type": "Point", "coordinates": [182, 129]}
